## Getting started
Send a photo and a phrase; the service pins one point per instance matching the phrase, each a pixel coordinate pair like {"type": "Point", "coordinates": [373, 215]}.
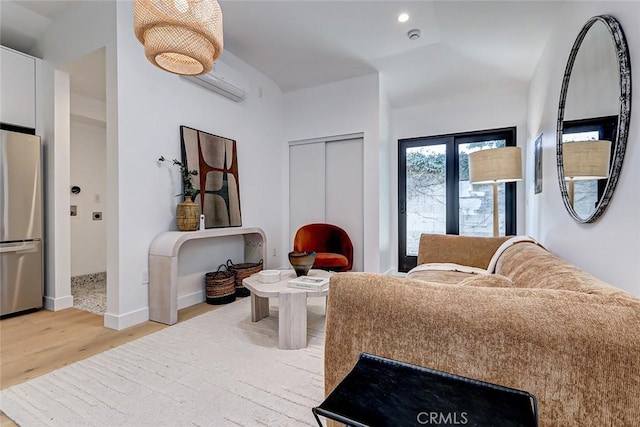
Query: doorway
{"type": "Point", "coordinates": [436, 196]}
{"type": "Point", "coordinates": [88, 244]}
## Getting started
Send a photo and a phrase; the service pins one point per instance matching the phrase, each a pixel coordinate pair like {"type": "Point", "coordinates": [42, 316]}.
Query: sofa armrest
{"type": "Point", "coordinates": [463, 250]}
{"type": "Point", "coordinates": [578, 354]}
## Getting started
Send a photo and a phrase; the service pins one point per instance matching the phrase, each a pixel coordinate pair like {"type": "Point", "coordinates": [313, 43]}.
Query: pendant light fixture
{"type": "Point", "coordinates": [180, 36]}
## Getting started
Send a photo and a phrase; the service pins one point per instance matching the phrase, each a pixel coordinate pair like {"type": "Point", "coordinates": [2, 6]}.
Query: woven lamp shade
{"type": "Point", "coordinates": [495, 165]}
{"type": "Point", "coordinates": [583, 160]}
{"type": "Point", "coordinates": [179, 36]}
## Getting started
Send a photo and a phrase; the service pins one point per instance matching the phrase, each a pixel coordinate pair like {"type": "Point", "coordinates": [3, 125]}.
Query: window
{"type": "Point", "coordinates": [434, 193]}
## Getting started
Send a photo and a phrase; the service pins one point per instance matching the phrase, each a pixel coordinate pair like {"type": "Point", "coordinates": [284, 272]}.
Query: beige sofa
{"type": "Point", "coordinates": [542, 325]}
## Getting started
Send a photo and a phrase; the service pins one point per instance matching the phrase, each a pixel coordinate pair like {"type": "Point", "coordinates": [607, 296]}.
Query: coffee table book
{"type": "Point", "coordinates": [313, 283]}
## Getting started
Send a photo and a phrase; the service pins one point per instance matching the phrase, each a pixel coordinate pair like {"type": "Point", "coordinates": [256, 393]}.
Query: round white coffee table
{"type": "Point", "coordinates": [292, 306]}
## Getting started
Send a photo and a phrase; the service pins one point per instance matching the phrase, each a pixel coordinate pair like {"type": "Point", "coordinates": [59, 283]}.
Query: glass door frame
{"type": "Point", "coordinates": [452, 142]}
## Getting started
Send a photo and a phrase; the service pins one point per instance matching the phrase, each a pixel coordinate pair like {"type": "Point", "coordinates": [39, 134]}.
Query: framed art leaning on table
{"type": "Point", "coordinates": [218, 190]}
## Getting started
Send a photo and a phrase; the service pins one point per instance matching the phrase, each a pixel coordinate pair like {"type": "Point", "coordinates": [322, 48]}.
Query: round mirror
{"type": "Point", "coordinates": [593, 118]}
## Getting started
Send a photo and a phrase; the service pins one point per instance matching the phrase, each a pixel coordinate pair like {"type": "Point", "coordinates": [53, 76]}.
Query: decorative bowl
{"type": "Point", "coordinates": [269, 276]}
{"type": "Point", "coordinates": [302, 261]}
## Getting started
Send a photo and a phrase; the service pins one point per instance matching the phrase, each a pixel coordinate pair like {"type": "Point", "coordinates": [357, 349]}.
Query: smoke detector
{"type": "Point", "coordinates": [414, 34]}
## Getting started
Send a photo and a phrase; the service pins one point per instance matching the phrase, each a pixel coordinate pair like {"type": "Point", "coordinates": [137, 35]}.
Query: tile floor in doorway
{"type": "Point", "coordinates": [90, 292]}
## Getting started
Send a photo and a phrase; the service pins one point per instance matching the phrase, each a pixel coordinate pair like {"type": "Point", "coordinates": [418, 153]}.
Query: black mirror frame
{"type": "Point", "coordinates": [624, 115]}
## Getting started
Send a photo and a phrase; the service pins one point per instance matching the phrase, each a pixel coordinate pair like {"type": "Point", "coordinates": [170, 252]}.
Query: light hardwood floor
{"type": "Point", "coordinates": [37, 343]}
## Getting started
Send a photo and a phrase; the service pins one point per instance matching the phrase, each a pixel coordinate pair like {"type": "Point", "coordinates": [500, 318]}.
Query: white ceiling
{"type": "Point", "coordinates": [23, 22]}
{"type": "Point", "coordinates": [464, 45]}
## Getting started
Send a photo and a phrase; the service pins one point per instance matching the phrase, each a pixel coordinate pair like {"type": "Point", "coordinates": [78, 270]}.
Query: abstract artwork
{"type": "Point", "coordinates": [218, 191]}
{"type": "Point", "coordinates": [537, 171]}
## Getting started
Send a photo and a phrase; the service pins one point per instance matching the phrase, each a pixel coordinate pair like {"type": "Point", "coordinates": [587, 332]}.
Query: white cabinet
{"type": "Point", "coordinates": [18, 88]}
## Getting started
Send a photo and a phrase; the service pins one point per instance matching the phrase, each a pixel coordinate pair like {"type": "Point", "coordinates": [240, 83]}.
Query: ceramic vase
{"type": "Point", "coordinates": [302, 261]}
{"type": "Point", "coordinates": [188, 215]}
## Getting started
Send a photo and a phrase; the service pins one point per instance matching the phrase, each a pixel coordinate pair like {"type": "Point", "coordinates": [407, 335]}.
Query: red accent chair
{"type": "Point", "coordinates": [332, 245]}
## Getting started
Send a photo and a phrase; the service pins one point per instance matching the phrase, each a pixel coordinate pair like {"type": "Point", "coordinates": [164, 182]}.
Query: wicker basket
{"type": "Point", "coordinates": [220, 286]}
{"type": "Point", "coordinates": [242, 271]}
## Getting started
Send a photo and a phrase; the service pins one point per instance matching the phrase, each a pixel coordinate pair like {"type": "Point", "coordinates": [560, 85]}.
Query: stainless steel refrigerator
{"type": "Point", "coordinates": [21, 237]}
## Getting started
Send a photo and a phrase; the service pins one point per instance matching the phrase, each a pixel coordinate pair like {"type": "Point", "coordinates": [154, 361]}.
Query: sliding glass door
{"type": "Point", "coordinates": [426, 193]}
{"type": "Point", "coordinates": [434, 193]}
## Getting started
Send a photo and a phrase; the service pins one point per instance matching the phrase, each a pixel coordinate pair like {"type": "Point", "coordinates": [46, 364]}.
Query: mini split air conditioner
{"type": "Point", "coordinates": [224, 80]}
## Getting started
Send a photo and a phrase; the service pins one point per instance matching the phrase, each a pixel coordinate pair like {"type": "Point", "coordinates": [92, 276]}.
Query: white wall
{"type": "Point", "coordinates": [152, 104]}
{"type": "Point", "coordinates": [88, 108]}
{"type": "Point", "coordinates": [387, 203]}
{"type": "Point", "coordinates": [610, 247]}
{"type": "Point", "coordinates": [88, 171]}
{"type": "Point", "coordinates": [345, 107]}
{"type": "Point", "coordinates": [496, 108]}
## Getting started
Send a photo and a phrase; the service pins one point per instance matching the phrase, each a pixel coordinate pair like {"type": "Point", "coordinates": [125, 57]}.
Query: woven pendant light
{"type": "Point", "coordinates": [180, 36]}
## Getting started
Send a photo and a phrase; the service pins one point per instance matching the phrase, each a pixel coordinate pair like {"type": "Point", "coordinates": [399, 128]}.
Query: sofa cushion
{"type": "Point", "coordinates": [446, 248]}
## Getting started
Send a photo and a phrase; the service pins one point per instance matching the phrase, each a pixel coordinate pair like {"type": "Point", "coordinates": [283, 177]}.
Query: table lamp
{"type": "Point", "coordinates": [494, 166]}
{"type": "Point", "coordinates": [583, 160]}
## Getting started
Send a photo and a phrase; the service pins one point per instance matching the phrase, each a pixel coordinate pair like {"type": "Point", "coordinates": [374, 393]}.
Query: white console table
{"type": "Point", "coordinates": [163, 265]}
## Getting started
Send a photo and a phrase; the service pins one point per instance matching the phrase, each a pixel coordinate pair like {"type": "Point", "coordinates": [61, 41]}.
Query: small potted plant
{"type": "Point", "coordinates": [187, 187]}
{"type": "Point", "coordinates": [187, 212]}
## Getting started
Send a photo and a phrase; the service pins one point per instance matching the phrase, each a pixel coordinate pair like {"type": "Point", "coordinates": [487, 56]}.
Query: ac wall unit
{"type": "Point", "coordinates": [224, 80]}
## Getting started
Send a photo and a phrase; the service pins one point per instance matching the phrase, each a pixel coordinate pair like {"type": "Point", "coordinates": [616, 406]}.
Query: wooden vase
{"type": "Point", "coordinates": [187, 215]}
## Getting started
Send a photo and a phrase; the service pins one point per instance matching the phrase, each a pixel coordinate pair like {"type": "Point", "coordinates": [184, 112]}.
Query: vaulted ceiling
{"type": "Point", "coordinates": [464, 46]}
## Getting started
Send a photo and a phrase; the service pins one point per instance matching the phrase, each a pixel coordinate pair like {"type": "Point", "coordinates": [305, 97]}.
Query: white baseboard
{"type": "Point", "coordinates": [122, 321]}
{"type": "Point", "coordinates": [190, 299]}
{"type": "Point", "coordinates": [56, 304]}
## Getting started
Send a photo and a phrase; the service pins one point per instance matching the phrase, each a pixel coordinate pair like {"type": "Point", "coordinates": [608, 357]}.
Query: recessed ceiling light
{"type": "Point", "coordinates": [403, 17]}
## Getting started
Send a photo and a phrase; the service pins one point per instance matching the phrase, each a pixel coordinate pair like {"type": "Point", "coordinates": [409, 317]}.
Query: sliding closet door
{"type": "Point", "coordinates": [344, 192]}
{"type": "Point", "coordinates": [306, 186]}
{"type": "Point", "coordinates": [326, 185]}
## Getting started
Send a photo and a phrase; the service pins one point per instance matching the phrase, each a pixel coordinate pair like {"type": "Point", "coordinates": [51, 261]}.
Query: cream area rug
{"type": "Point", "coordinates": [217, 369]}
